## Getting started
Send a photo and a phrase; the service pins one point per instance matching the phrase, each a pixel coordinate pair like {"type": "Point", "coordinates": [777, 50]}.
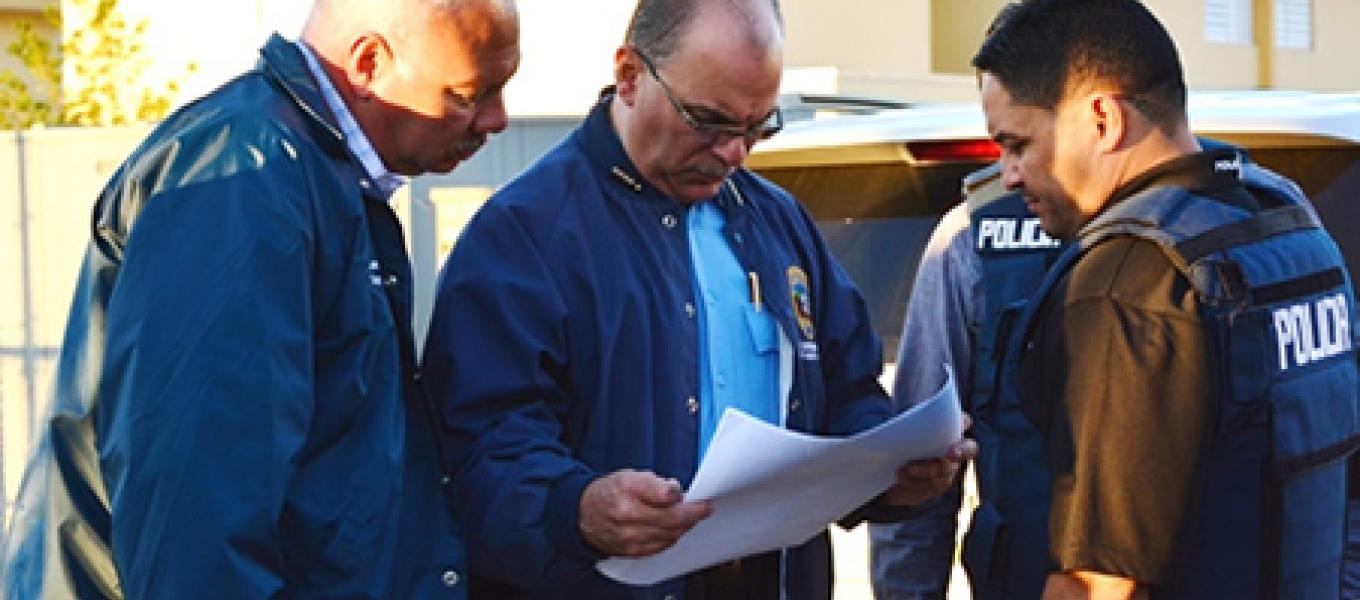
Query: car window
{"type": "Point", "coordinates": [877, 218]}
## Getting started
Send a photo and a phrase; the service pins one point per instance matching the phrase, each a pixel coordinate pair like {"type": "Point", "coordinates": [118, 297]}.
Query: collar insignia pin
{"type": "Point", "coordinates": [627, 179]}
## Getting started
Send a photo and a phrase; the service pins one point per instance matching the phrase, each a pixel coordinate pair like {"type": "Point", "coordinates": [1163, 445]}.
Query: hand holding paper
{"type": "Point", "coordinates": [636, 513]}
{"type": "Point", "coordinates": [924, 479]}
{"type": "Point", "coordinates": [772, 488]}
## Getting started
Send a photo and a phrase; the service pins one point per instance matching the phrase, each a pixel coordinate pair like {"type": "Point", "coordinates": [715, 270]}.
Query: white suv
{"type": "Point", "coordinates": [877, 181]}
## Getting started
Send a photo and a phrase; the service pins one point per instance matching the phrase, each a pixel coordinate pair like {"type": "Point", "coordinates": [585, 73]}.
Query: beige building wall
{"type": "Point", "coordinates": [862, 37]}
{"type": "Point", "coordinates": [877, 47]}
{"type": "Point", "coordinates": [920, 49]}
{"type": "Point", "coordinates": [1207, 65]}
{"type": "Point", "coordinates": [1332, 63]}
{"type": "Point", "coordinates": [957, 29]}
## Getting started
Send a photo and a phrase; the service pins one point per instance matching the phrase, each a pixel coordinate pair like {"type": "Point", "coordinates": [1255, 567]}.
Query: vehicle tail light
{"type": "Point", "coordinates": [955, 151]}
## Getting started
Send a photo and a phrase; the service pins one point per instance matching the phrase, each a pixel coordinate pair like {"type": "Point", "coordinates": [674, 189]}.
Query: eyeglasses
{"type": "Point", "coordinates": [717, 131]}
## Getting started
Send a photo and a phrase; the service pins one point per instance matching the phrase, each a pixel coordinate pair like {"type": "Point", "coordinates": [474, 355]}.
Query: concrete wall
{"type": "Point", "coordinates": [48, 182]}
{"type": "Point", "coordinates": [14, 381]}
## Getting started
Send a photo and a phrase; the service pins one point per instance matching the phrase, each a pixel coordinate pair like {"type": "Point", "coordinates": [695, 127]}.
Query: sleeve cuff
{"type": "Point", "coordinates": [564, 506]}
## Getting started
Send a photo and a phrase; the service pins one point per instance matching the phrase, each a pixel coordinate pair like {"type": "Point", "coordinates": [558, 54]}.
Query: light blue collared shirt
{"type": "Point", "coordinates": [355, 140]}
{"type": "Point", "coordinates": [738, 339]}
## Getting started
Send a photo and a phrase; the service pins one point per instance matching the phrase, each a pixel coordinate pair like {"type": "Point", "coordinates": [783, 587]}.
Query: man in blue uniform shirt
{"type": "Point", "coordinates": [237, 412]}
{"type": "Point", "coordinates": [603, 309]}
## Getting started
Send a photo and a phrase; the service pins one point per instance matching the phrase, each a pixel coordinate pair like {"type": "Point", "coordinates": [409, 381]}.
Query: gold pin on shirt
{"type": "Point", "coordinates": [754, 279]}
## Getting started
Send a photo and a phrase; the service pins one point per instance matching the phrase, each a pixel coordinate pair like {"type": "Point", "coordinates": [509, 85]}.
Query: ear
{"type": "Point", "coordinates": [1109, 121]}
{"type": "Point", "coordinates": [369, 61]}
{"type": "Point", "coordinates": [627, 71]}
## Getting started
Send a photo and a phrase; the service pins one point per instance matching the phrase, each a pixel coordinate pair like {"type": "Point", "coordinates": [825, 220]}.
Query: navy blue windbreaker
{"type": "Point", "coordinates": [237, 412]}
{"type": "Point", "coordinates": [564, 346]}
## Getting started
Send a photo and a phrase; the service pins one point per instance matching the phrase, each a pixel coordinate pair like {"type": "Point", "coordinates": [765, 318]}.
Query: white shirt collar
{"type": "Point", "coordinates": [358, 143]}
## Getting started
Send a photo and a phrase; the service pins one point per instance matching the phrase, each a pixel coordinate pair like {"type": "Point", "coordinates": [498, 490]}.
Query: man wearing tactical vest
{"type": "Point", "coordinates": [984, 258]}
{"type": "Point", "coordinates": [1177, 400]}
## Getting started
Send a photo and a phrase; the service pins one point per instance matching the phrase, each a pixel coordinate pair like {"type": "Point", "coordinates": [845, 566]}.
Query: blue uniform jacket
{"type": "Point", "coordinates": [237, 413]}
{"type": "Point", "coordinates": [565, 346]}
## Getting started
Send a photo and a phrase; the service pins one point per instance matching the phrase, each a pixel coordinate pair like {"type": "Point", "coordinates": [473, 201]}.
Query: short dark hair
{"type": "Point", "coordinates": [657, 25]}
{"type": "Point", "coordinates": [1040, 49]}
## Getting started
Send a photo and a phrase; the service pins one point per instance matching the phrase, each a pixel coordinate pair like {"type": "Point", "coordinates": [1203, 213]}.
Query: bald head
{"type": "Point", "coordinates": [332, 24]}
{"type": "Point", "coordinates": [423, 78]}
{"type": "Point", "coordinates": [697, 85]}
{"type": "Point", "coordinates": [658, 27]}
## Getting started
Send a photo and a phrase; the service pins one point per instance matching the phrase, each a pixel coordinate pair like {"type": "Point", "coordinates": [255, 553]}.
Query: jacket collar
{"type": "Point", "coordinates": [605, 150]}
{"type": "Point", "coordinates": [283, 62]}
{"type": "Point", "coordinates": [602, 146]}
{"type": "Point", "coordinates": [355, 139]}
{"type": "Point", "coordinates": [1200, 172]}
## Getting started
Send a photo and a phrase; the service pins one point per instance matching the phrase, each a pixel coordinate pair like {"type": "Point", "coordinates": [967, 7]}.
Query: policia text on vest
{"type": "Point", "coordinates": [1308, 332]}
{"type": "Point", "coordinates": [1013, 233]}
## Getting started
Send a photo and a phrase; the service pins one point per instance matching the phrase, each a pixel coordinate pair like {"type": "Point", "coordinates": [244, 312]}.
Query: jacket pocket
{"type": "Point", "coordinates": [1314, 420]}
{"type": "Point", "coordinates": [1313, 426]}
{"type": "Point", "coordinates": [764, 331]}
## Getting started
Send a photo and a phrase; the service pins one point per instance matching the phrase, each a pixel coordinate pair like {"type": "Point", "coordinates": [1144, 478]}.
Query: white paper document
{"type": "Point", "coordinates": [773, 488]}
